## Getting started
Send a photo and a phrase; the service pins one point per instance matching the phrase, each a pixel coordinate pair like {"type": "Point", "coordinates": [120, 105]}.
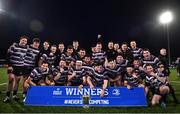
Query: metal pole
{"type": "Point", "coordinates": [168, 40]}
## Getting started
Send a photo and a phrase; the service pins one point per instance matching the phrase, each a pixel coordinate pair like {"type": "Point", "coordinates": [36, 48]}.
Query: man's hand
{"type": "Point", "coordinates": [52, 84]}
{"type": "Point", "coordinates": [129, 87]}
{"type": "Point", "coordinates": [91, 86]}
{"type": "Point", "coordinates": [48, 82]}
{"type": "Point", "coordinates": [152, 73]}
{"type": "Point", "coordinates": [26, 84]}
{"type": "Point", "coordinates": [102, 93]}
{"type": "Point", "coordinates": [61, 70]}
{"type": "Point", "coordinates": [80, 87]}
{"type": "Point", "coordinates": [74, 74]}
{"type": "Point", "coordinates": [58, 76]}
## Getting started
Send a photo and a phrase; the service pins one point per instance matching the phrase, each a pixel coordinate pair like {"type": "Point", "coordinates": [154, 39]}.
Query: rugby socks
{"type": "Point", "coordinates": [164, 96]}
{"type": "Point", "coordinates": [8, 93]}
{"type": "Point", "coordinates": [15, 92]}
{"type": "Point", "coordinates": [24, 93]}
{"type": "Point", "coordinates": [173, 93]}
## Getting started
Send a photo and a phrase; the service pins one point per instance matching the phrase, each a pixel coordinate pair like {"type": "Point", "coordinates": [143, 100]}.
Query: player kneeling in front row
{"type": "Point", "coordinates": [98, 78]}
{"type": "Point", "coordinates": [60, 74]}
{"type": "Point", "coordinates": [78, 75]}
{"type": "Point", "coordinates": [39, 76]}
{"type": "Point", "coordinates": [162, 74]}
{"type": "Point", "coordinates": [114, 73]}
{"type": "Point", "coordinates": [157, 87]}
{"type": "Point", "coordinates": [131, 78]}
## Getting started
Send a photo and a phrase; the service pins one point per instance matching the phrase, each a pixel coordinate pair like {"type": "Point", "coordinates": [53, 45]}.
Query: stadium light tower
{"type": "Point", "coordinates": [165, 19]}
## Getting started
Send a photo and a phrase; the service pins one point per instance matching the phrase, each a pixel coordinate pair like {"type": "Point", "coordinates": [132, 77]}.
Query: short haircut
{"type": "Point", "coordinates": [36, 40]}
{"type": "Point", "coordinates": [109, 60]}
{"type": "Point", "coordinates": [87, 55]}
{"type": "Point", "coordinates": [75, 41]}
{"type": "Point", "coordinates": [133, 41]}
{"type": "Point", "coordinates": [148, 65]}
{"type": "Point", "coordinates": [124, 43]}
{"type": "Point", "coordinates": [146, 49]}
{"type": "Point", "coordinates": [98, 43]}
{"type": "Point", "coordinates": [119, 54]}
{"type": "Point", "coordinates": [82, 49]}
{"type": "Point", "coordinates": [24, 37]}
{"type": "Point", "coordinates": [98, 64]}
{"type": "Point", "coordinates": [61, 43]}
{"type": "Point", "coordinates": [44, 62]}
{"type": "Point", "coordinates": [53, 45]}
{"type": "Point", "coordinates": [136, 59]}
{"type": "Point", "coordinates": [47, 42]}
{"type": "Point", "coordinates": [70, 47]}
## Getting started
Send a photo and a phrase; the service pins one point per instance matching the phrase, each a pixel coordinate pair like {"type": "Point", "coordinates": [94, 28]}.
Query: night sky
{"type": "Point", "coordinates": [82, 20]}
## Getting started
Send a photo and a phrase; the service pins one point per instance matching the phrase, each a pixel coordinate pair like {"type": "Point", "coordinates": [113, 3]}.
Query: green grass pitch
{"type": "Point", "coordinates": [18, 107]}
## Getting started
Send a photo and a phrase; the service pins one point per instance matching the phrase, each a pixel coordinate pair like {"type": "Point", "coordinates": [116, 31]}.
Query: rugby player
{"type": "Point", "coordinates": [137, 52]}
{"type": "Point", "coordinates": [163, 74]}
{"type": "Point", "coordinates": [157, 87]}
{"type": "Point", "coordinates": [69, 56]}
{"type": "Point", "coordinates": [111, 53]}
{"type": "Point", "coordinates": [99, 56]}
{"type": "Point", "coordinates": [60, 74]}
{"type": "Point", "coordinates": [59, 52]}
{"type": "Point", "coordinates": [31, 60]}
{"type": "Point", "coordinates": [78, 75]}
{"type": "Point", "coordinates": [99, 78]}
{"type": "Point", "coordinates": [49, 57]}
{"type": "Point", "coordinates": [114, 73]}
{"type": "Point", "coordinates": [131, 79]}
{"type": "Point", "coordinates": [126, 52]}
{"type": "Point", "coordinates": [38, 76]}
{"type": "Point", "coordinates": [16, 57]}
{"type": "Point", "coordinates": [149, 59]}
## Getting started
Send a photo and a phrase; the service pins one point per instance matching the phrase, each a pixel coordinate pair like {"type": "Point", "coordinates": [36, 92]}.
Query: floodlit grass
{"type": "Point", "coordinates": [18, 107]}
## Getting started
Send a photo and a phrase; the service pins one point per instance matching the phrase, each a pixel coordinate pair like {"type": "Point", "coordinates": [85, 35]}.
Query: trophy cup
{"type": "Point", "coordinates": [86, 101]}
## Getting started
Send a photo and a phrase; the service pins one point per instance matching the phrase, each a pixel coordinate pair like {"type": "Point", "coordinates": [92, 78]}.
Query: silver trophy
{"type": "Point", "coordinates": [86, 99]}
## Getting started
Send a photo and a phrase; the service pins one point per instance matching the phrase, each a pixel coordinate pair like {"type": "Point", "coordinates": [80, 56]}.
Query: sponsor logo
{"type": "Point", "coordinates": [57, 92]}
{"type": "Point", "coordinates": [116, 92]}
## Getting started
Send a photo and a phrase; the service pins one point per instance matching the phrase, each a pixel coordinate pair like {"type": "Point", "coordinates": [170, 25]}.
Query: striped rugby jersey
{"type": "Point", "coordinates": [63, 75]}
{"type": "Point", "coordinates": [137, 53]}
{"type": "Point", "coordinates": [152, 60]}
{"type": "Point", "coordinates": [99, 77]}
{"type": "Point", "coordinates": [132, 80]}
{"type": "Point", "coordinates": [50, 58]}
{"type": "Point", "coordinates": [99, 57]}
{"type": "Point", "coordinates": [31, 57]}
{"type": "Point", "coordinates": [113, 73]}
{"type": "Point", "coordinates": [16, 55]}
{"type": "Point", "coordinates": [153, 82]}
{"type": "Point", "coordinates": [37, 74]}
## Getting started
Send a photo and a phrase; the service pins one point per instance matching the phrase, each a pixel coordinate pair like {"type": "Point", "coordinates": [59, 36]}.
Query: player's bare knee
{"type": "Point", "coordinates": [153, 102]}
{"type": "Point", "coordinates": [42, 84]}
{"type": "Point", "coordinates": [125, 83]}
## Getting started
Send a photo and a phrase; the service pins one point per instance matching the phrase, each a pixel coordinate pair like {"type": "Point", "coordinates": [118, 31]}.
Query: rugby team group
{"type": "Point", "coordinates": [112, 65]}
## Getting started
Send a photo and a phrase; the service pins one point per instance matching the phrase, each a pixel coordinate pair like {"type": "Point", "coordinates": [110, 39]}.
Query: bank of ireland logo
{"type": "Point", "coordinates": [116, 92]}
{"type": "Point", "coordinates": [57, 92]}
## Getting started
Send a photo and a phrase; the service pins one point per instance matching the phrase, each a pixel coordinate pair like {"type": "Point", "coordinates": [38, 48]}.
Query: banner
{"type": "Point", "coordinates": [71, 96]}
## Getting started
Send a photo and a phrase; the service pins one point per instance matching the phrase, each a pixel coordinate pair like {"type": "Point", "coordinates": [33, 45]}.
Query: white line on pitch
{"type": "Point", "coordinates": [3, 84]}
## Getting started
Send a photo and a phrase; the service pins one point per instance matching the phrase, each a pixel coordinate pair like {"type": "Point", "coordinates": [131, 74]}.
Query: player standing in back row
{"type": "Point", "coordinates": [31, 60]}
{"type": "Point", "coordinates": [16, 57]}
